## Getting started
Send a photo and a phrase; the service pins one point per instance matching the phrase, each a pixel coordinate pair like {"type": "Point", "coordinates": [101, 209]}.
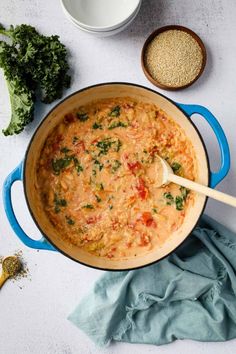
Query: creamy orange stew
{"type": "Point", "coordinates": [96, 177]}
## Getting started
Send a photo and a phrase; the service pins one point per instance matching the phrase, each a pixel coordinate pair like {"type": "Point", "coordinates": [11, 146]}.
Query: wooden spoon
{"type": "Point", "coordinates": [9, 271]}
{"type": "Point", "coordinates": [166, 176]}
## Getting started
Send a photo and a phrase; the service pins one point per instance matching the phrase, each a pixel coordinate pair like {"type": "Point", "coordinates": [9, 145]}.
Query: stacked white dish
{"type": "Point", "coordinates": [101, 18]}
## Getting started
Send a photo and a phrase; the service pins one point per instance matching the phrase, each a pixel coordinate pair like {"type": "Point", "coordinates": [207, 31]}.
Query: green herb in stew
{"type": "Point", "coordinates": [88, 206]}
{"type": "Point", "coordinates": [82, 116]}
{"type": "Point", "coordinates": [117, 125]}
{"type": "Point", "coordinates": [78, 166]}
{"type": "Point", "coordinates": [184, 192]}
{"type": "Point", "coordinates": [176, 167]}
{"type": "Point", "coordinates": [115, 166]}
{"type": "Point", "coordinates": [98, 198]}
{"type": "Point", "coordinates": [97, 126]}
{"type": "Point", "coordinates": [106, 144]}
{"type": "Point", "coordinates": [179, 202]}
{"type": "Point", "coordinates": [99, 186]}
{"type": "Point", "coordinates": [75, 139]}
{"type": "Point", "coordinates": [169, 198]}
{"type": "Point", "coordinates": [115, 111]}
{"type": "Point", "coordinates": [65, 150]}
{"type": "Point", "coordinates": [99, 164]}
{"type": "Point", "coordinates": [61, 164]}
{"type": "Point", "coordinates": [58, 203]}
{"type": "Point", "coordinates": [118, 145]}
{"type": "Point", "coordinates": [69, 220]}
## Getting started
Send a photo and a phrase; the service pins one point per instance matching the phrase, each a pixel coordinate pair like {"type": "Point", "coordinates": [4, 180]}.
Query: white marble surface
{"type": "Point", "coordinates": [33, 313]}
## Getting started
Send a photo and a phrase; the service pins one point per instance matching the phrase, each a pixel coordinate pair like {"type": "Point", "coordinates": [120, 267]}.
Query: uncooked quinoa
{"type": "Point", "coordinates": [174, 58]}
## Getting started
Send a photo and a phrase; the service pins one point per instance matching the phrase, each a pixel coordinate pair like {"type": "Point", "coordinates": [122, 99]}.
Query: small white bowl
{"type": "Point", "coordinates": [100, 15]}
{"type": "Point", "coordinates": [104, 33]}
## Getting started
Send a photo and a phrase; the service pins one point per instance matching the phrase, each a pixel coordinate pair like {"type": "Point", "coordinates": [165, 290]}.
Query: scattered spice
{"type": "Point", "coordinates": [11, 265]}
{"type": "Point", "coordinates": [23, 272]}
{"type": "Point", "coordinates": [174, 58]}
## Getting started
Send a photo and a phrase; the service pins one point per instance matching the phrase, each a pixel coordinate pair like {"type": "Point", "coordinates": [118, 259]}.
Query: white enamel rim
{"type": "Point", "coordinates": [67, 6]}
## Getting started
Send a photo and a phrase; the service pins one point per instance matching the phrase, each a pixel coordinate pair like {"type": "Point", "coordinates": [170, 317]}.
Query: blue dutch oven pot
{"type": "Point", "coordinates": [26, 170]}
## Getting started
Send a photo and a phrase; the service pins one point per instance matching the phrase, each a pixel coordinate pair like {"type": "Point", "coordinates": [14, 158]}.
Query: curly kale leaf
{"type": "Point", "coordinates": [31, 63]}
{"type": "Point", "coordinates": [43, 59]}
{"type": "Point", "coordinates": [22, 106]}
{"type": "Point", "coordinates": [21, 96]}
{"type": "Point", "coordinates": [50, 67]}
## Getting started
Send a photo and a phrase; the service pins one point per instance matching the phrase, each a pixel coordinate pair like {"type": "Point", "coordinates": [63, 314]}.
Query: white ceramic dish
{"type": "Point", "coordinates": [100, 15]}
{"type": "Point", "coordinates": [102, 34]}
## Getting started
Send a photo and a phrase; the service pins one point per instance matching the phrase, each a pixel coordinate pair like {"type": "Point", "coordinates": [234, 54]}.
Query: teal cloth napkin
{"type": "Point", "coordinates": [190, 294]}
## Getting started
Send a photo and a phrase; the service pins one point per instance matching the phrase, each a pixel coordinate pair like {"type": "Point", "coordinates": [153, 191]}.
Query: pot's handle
{"type": "Point", "coordinates": [16, 175]}
{"type": "Point", "coordinates": [190, 109]}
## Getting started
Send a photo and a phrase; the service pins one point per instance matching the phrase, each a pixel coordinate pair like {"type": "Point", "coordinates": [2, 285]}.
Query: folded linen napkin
{"type": "Point", "coordinates": [190, 294]}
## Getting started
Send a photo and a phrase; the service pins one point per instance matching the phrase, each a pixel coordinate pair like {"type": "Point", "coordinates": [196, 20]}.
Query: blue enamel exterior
{"type": "Point", "coordinates": [16, 175]}
{"type": "Point", "coordinates": [215, 177]}
{"type": "Point", "coordinates": [190, 109]}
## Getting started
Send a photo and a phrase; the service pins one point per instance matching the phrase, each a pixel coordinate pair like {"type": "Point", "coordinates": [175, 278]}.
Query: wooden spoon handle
{"type": "Point", "coordinates": [221, 197]}
{"type": "Point", "coordinates": [3, 278]}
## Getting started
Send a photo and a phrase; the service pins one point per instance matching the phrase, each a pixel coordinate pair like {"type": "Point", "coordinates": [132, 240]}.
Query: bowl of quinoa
{"type": "Point", "coordinates": [173, 57]}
